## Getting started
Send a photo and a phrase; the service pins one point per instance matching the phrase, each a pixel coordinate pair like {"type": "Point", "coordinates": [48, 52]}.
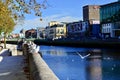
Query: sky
{"type": "Point", "coordinates": [58, 10]}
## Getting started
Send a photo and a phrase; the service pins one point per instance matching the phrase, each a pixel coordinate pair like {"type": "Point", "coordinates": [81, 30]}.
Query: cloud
{"type": "Point", "coordinates": [33, 23]}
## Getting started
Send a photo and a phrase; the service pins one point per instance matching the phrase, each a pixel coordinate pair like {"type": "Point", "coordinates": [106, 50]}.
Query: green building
{"type": "Point", "coordinates": [110, 12]}
{"type": "Point", "coordinates": [110, 19]}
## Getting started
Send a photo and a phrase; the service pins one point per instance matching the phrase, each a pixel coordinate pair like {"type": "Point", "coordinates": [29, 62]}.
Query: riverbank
{"type": "Point", "coordinates": [23, 65]}
{"type": "Point", "coordinates": [12, 64]}
{"type": "Point", "coordinates": [90, 43]}
{"type": "Point", "coordinates": [98, 43]}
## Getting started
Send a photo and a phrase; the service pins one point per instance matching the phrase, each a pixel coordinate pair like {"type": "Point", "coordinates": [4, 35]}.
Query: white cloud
{"type": "Point", "coordinates": [33, 23]}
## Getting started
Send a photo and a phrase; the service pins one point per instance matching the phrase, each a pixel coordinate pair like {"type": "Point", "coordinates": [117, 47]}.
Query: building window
{"type": "Point", "coordinates": [62, 31]}
{"type": "Point", "coordinates": [51, 31]}
{"type": "Point", "coordinates": [58, 31]}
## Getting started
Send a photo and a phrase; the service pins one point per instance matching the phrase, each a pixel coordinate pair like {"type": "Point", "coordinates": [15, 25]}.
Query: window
{"type": "Point", "coordinates": [58, 31]}
{"type": "Point", "coordinates": [62, 31]}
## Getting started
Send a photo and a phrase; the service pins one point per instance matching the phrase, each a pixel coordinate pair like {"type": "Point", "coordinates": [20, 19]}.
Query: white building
{"type": "Point", "coordinates": [40, 32]}
{"type": "Point", "coordinates": [108, 30]}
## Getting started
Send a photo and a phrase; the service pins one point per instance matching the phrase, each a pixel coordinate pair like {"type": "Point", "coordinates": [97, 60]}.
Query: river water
{"type": "Point", "coordinates": [71, 63]}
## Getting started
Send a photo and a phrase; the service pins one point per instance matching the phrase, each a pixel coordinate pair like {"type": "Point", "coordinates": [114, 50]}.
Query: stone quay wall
{"type": "Point", "coordinates": [38, 69]}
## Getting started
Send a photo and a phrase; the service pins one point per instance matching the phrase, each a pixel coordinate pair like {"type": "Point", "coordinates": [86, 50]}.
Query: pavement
{"type": "Point", "coordinates": [12, 67]}
{"type": "Point", "coordinates": [4, 52]}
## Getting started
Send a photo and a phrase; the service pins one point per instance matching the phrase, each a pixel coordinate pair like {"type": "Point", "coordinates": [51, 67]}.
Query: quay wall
{"type": "Point", "coordinates": [38, 69]}
{"type": "Point", "coordinates": [89, 43]}
{"type": "Point", "coordinates": [97, 43]}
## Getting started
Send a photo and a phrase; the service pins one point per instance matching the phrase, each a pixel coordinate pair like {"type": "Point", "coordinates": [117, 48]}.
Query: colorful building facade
{"type": "Point", "coordinates": [77, 29]}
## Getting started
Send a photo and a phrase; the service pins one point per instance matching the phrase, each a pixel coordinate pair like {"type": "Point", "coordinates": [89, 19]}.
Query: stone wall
{"type": "Point", "coordinates": [38, 69]}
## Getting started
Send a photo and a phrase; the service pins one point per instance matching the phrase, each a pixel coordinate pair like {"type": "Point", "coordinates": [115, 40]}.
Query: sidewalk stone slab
{"type": "Point", "coordinates": [11, 68]}
{"type": "Point", "coordinates": [4, 52]}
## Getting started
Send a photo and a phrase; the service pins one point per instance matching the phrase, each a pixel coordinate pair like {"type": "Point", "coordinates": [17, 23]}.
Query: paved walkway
{"type": "Point", "coordinates": [12, 67]}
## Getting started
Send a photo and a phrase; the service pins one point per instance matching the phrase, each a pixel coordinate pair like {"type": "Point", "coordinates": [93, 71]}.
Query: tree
{"type": "Point", "coordinates": [11, 11]}
{"type": "Point", "coordinates": [21, 7]}
{"type": "Point", "coordinates": [6, 21]}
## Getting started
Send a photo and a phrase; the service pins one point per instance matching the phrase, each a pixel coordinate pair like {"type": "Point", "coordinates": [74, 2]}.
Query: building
{"type": "Point", "coordinates": [53, 23]}
{"type": "Point", "coordinates": [56, 31]}
{"type": "Point", "coordinates": [91, 12]}
{"type": "Point", "coordinates": [94, 28]}
{"type": "Point", "coordinates": [77, 30]}
{"type": "Point", "coordinates": [32, 33]}
{"type": "Point", "coordinates": [40, 32]}
{"type": "Point", "coordinates": [49, 32]}
{"type": "Point", "coordinates": [110, 12]}
{"type": "Point", "coordinates": [22, 33]}
{"type": "Point", "coordinates": [110, 19]}
{"type": "Point", "coordinates": [14, 36]}
{"type": "Point", "coordinates": [107, 30]}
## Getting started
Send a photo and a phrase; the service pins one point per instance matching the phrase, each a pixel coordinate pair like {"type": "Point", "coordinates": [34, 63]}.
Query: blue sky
{"type": "Point", "coordinates": [58, 10]}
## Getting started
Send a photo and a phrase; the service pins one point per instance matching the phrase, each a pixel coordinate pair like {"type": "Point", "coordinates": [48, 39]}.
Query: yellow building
{"type": "Point", "coordinates": [53, 23]}
{"type": "Point", "coordinates": [56, 31]}
{"type": "Point", "coordinates": [61, 31]}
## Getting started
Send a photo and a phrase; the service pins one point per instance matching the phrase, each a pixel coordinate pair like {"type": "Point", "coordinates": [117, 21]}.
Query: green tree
{"type": "Point", "coordinates": [6, 21]}
{"type": "Point", "coordinates": [11, 11]}
{"type": "Point", "coordinates": [21, 7]}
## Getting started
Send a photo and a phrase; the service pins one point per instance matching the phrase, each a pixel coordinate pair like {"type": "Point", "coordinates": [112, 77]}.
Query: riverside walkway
{"type": "Point", "coordinates": [25, 65]}
{"type": "Point", "coordinates": [12, 65]}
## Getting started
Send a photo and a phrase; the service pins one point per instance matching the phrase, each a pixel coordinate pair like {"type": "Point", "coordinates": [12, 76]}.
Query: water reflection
{"type": "Point", "coordinates": [67, 64]}
{"type": "Point", "coordinates": [94, 69]}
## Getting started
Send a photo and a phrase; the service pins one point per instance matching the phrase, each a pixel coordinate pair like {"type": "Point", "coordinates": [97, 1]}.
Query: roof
{"type": "Point", "coordinates": [109, 4]}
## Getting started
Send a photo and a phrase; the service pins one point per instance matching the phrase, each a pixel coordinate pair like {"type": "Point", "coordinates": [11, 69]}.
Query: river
{"type": "Point", "coordinates": [73, 63]}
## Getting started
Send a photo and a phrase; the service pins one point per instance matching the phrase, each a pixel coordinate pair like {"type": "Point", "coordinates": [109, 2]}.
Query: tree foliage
{"type": "Point", "coordinates": [21, 7]}
{"type": "Point", "coordinates": [6, 21]}
{"type": "Point", "coordinates": [11, 11]}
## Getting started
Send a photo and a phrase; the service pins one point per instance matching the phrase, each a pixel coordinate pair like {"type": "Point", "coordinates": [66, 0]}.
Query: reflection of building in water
{"type": "Point", "coordinates": [112, 54]}
{"type": "Point", "coordinates": [94, 69]}
{"type": "Point", "coordinates": [54, 52]}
